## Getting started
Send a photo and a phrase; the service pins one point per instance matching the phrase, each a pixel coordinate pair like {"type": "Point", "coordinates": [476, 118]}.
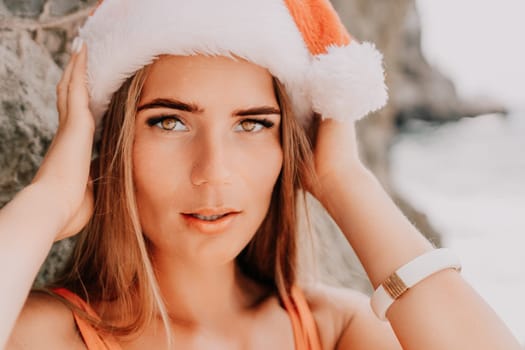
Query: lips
{"type": "Point", "coordinates": [209, 212]}
{"type": "Point", "coordinates": [211, 221]}
{"type": "Point", "coordinates": [208, 218]}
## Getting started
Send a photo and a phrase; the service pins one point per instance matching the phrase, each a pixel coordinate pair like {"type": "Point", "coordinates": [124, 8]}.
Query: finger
{"type": "Point", "coordinates": [62, 87]}
{"type": "Point", "coordinates": [78, 96]}
{"type": "Point", "coordinates": [77, 86]}
{"type": "Point", "coordinates": [62, 92]}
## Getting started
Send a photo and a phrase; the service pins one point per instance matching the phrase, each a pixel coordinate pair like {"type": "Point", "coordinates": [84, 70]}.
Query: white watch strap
{"type": "Point", "coordinates": [409, 275]}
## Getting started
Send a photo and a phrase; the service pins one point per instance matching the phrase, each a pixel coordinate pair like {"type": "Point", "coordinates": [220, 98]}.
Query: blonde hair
{"type": "Point", "coordinates": [110, 263]}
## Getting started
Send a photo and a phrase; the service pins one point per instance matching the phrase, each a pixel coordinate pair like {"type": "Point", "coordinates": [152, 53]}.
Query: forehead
{"type": "Point", "coordinates": [199, 75]}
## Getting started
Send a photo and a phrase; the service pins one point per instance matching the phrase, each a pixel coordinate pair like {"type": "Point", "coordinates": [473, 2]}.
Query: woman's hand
{"type": "Point", "coordinates": [335, 153]}
{"type": "Point", "coordinates": [66, 167]}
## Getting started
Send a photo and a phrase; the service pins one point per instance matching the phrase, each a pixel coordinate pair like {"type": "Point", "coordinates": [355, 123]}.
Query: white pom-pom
{"type": "Point", "coordinates": [348, 82]}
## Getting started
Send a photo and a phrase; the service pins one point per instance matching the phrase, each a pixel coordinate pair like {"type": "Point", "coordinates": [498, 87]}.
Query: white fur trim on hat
{"type": "Point", "coordinates": [125, 35]}
{"type": "Point", "coordinates": [348, 82]}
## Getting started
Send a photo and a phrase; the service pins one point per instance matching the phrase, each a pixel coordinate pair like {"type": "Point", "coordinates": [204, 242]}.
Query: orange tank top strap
{"type": "Point", "coordinates": [92, 339]}
{"type": "Point", "coordinates": [303, 322]}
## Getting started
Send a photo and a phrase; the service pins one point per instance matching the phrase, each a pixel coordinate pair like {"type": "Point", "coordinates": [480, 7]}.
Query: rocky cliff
{"type": "Point", "coordinates": [34, 42]}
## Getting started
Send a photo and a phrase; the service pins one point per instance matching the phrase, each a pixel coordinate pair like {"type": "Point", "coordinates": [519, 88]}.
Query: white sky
{"type": "Point", "coordinates": [480, 44]}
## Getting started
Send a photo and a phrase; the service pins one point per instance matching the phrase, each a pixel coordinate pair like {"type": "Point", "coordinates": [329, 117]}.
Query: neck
{"type": "Point", "coordinates": [197, 294]}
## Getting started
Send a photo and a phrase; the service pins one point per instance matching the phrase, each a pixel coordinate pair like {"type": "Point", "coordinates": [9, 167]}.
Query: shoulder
{"type": "Point", "coordinates": [345, 320]}
{"type": "Point", "coordinates": [44, 323]}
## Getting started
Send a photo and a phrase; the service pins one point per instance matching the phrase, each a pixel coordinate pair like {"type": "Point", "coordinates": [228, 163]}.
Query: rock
{"type": "Point", "coordinates": [25, 8]}
{"type": "Point", "coordinates": [55, 261]}
{"type": "Point", "coordinates": [4, 12]}
{"type": "Point", "coordinates": [421, 91]}
{"type": "Point", "coordinates": [63, 7]}
{"type": "Point", "coordinates": [28, 115]}
{"type": "Point", "coordinates": [54, 27]}
{"type": "Point", "coordinates": [54, 41]}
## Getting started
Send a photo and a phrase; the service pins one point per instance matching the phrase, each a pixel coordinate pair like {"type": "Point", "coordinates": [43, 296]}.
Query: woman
{"type": "Point", "coordinates": [191, 215]}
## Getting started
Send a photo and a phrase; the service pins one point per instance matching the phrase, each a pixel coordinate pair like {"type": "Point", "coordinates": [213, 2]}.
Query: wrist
{"type": "Point", "coordinates": [337, 183]}
{"type": "Point", "coordinates": [381, 236]}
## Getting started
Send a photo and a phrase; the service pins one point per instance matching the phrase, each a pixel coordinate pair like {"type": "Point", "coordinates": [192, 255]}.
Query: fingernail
{"type": "Point", "coordinates": [77, 45]}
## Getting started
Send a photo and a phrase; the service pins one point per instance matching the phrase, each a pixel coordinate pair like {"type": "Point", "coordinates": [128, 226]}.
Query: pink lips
{"type": "Point", "coordinates": [211, 227]}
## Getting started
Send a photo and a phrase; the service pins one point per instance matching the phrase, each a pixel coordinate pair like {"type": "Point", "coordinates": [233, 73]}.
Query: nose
{"type": "Point", "coordinates": [212, 161]}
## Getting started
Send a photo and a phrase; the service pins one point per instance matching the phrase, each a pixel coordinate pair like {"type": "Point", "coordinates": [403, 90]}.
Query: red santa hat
{"type": "Point", "coordinates": [301, 42]}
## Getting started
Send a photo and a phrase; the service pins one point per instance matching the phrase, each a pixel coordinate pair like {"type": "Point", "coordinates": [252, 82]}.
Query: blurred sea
{"type": "Point", "coordinates": [469, 178]}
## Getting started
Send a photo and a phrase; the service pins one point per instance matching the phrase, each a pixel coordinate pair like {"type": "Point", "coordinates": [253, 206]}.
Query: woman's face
{"type": "Point", "coordinates": [207, 144]}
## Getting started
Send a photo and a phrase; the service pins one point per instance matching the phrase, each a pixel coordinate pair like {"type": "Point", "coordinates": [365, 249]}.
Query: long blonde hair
{"type": "Point", "coordinates": [110, 263]}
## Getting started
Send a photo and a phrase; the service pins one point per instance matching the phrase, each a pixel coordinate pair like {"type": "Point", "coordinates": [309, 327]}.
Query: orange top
{"type": "Point", "coordinates": [303, 323]}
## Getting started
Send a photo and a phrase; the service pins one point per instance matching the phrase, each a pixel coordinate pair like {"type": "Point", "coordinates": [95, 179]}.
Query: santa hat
{"type": "Point", "coordinates": [301, 42]}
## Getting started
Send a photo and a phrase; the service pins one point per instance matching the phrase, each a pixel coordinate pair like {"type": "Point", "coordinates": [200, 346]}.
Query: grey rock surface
{"type": "Point", "coordinates": [25, 8]}
{"type": "Point", "coordinates": [63, 7]}
{"type": "Point", "coordinates": [28, 115]}
{"type": "Point", "coordinates": [422, 91]}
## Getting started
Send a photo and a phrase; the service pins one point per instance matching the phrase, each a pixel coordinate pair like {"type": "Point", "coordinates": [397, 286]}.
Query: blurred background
{"type": "Point", "coordinates": [469, 176]}
{"type": "Point", "coordinates": [449, 146]}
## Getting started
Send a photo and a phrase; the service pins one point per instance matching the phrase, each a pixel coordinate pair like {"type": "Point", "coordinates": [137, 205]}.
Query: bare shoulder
{"type": "Point", "coordinates": [345, 320]}
{"type": "Point", "coordinates": [44, 323]}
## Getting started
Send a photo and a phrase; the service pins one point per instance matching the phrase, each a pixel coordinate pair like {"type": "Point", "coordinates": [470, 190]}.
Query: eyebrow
{"type": "Point", "coordinates": [193, 108]}
{"type": "Point", "coordinates": [172, 104]}
{"type": "Point", "coordinates": [264, 110]}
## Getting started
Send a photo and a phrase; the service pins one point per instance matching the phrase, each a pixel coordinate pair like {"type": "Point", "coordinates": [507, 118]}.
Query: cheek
{"type": "Point", "coordinates": [261, 166]}
{"type": "Point", "coordinates": [155, 177]}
